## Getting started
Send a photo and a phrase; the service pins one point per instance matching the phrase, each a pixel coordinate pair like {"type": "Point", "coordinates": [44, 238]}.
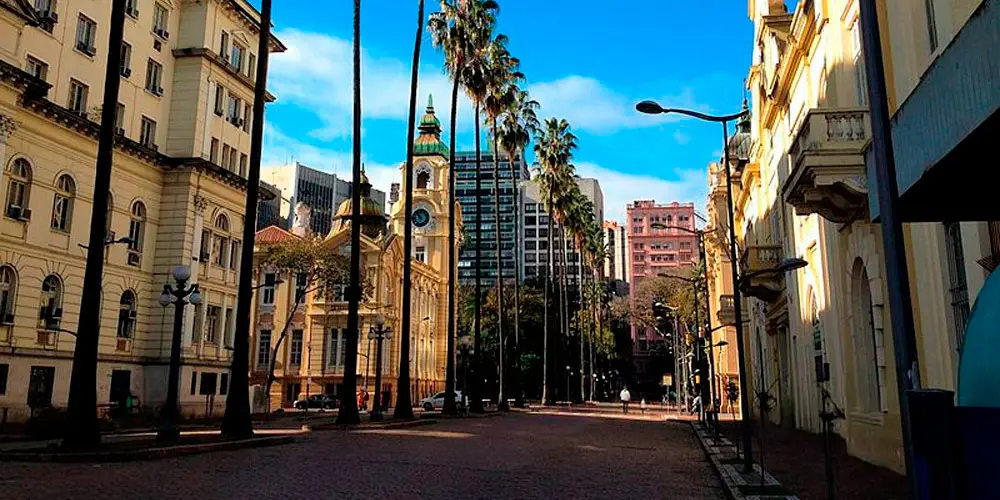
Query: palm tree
{"type": "Point", "coordinates": [517, 124]}
{"type": "Point", "coordinates": [480, 18]}
{"type": "Point", "coordinates": [404, 405]}
{"type": "Point", "coordinates": [500, 76]}
{"type": "Point", "coordinates": [553, 152]}
{"type": "Point", "coordinates": [348, 413]}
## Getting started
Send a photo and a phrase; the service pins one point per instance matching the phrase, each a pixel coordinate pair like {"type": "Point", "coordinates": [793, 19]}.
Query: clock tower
{"type": "Point", "coordinates": [430, 194]}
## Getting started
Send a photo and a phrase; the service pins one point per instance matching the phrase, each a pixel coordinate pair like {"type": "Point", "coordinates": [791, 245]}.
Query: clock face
{"type": "Point", "coordinates": [421, 217]}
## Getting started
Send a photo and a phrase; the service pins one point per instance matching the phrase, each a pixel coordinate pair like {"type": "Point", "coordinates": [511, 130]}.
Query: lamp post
{"type": "Point", "coordinates": [168, 429]}
{"type": "Point", "coordinates": [378, 333]}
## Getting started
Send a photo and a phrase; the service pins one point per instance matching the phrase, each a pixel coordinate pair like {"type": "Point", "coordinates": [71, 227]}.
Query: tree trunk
{"type": "Point", "coordinates": [450, 407]}
{"type": "Point", "coordinates": [404, 404]}
{"type": "Point", "coordinates": [546, 393]}
{"type": "Point", "coordinates": [237, 422]}
{"type": "Point", "coordinates": [498, 219]}
{"type": "Point", "coordinates": [563, 300]}
{"type": "Point", "coordinates": [579, 320]}
{"type": "Point", "coordinates": [475, 395]}
{"type": "Point", "coordinates": [516, 351]}
{"type": "Point", "coordinates": [348, 413]}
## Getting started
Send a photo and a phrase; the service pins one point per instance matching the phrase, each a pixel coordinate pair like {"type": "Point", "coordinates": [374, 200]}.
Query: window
{"type": "Point", "coordinates": [958, 285]}
{"type": "Point", "coordinates": [132, 8]}
{"type": "Point", "coordinates": [263, 349]}
{"type": "Point", "coordinates": [236, 57]}
{"type": "Point", "coordinates": [136, 233]}
{"type": "Point", "coordinates": [154, 75]}
{"type": "Point", "coordinates": [529, 245]}
{"type": "Point", "coordinates": [194, 383]}
{"type": "Point", "coordinates": [220, 96]}
{"type": "Point", "coordinates": [223, 384]}
{"type": "Point", "coordinates": [252, 68]}
{"type": "Point", "coordinates": [932, 36]}
{"type": "Point", "coordinates": [232, 161]}
{"type": "Point", "coordinates": [8, 294]}
{"type": "Point", "coordinates": [197, 327]}
{"type": "Point", "coordinates": [120, 118]}
{"type": "Point", "coordinates": [224, 46]}
{"type": "Point", "coordinates": [267, 291]}
{"type": "Point", "coordinates": [530, 220]}
{"type": "Point", "coordinates": [62, 204]}
{"type": "Point", "coordinates": [213, 152]}
{"type": "Point", "coordinates": [870, 367]}
{"type": "Point", "coordinates": [78, 97]}
{"type": "Point", "coordinates": [86, 34]}
{"type": "Point", "coordinates": [235, 106]}
{"type": "Point", "coordinates": [212, 324]}
{"type": "Point", "coordinates": [147, 133]}
{"type": "Point", "coordinates": [50, 312]}
{"type": "Point", "coordinates": [530, 208]}
{"type": "Point", "coordinates": [4, 370]}
{"type": "Point", "coordinates": [243, 164]}
{"type": "Point", "coordinates": [126, 315]}
{"type": "Point", "coordinates": [125, 62]}
{"type": "Point", "coordinates": [860, 82]}
{"type": "Point", "coordinates": [18, 188]}
{"type": "Point", "coordinates": [221, 246]}
{"type": "Point", "coordinates": [543, 232]}
{"type": "Point", "coordinates": [295, 349]}
{"type": "Point", "coordinates": [335, 349]}
{"type": "Point", "coordinates": [160, 21]}
{"type": "Point", "coordinates": [421, 254]}
{"type": "Point", "coordinates": [247, 116]}
{"type": "Point", "coordinates": [230, 328]}
{"type": "Point", "coordinates": [37, 68]}
{"type": "Point", "coordinates": [225, 156]}
{"type": "Point", "coordinates": [234, 255]}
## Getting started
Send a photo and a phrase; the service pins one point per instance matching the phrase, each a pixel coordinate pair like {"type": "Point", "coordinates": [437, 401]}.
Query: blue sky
{"type": "Point", "coordinates": [588, 61]}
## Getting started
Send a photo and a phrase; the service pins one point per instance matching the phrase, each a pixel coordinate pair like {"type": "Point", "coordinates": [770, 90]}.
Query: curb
{"type": "Point", "coordinates": [147, 453]}
{"type": "Point", "coordinates": [378, 426]}
{"type": "Point", "coordinates": [722, 451]}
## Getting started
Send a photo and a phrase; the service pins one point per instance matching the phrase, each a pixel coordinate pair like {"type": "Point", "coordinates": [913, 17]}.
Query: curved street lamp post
{"type": "Point", "coordinates": [178, 295]}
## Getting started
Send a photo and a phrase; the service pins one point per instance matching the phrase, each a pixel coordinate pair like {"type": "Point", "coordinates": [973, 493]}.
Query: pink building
{"type": "Point", "coordinates": [657, 250]}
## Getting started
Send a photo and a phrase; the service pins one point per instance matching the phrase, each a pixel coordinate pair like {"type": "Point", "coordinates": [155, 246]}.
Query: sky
{"type": "Point", "coordinates": [588, 61]}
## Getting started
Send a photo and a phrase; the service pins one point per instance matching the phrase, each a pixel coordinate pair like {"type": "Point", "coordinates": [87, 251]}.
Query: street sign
{"type": "Point", "coordinates": [668, 379]}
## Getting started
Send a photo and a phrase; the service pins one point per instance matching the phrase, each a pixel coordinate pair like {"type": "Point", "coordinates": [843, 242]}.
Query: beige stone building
{"type": "Point", "coordinates": [177, 193]}
{"type": "Point", "coordinates": [311, 359]}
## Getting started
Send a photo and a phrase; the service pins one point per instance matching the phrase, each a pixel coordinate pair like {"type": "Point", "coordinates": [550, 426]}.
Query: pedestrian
{"type": "Point", "coordinates": [625, 397]}
{"type": "Point", "coordinates": [642, 406]}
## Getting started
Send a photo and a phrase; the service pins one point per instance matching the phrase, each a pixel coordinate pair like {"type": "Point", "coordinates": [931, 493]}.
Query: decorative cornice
{"type": "Point", "coordinates": [8, 126]}
{"type": "Point", "coordinates": [22, 9]}
{"type": "Point", "coordinates": [222, 63]}
{"type": "Point", "coordinates": [251, 18]}
{"type": "Point", "coordinates": [22, 80]}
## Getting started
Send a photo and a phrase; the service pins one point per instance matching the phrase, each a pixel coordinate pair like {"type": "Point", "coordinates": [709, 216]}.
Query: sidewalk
{"type": "Point", "coordinates": [795, 458]}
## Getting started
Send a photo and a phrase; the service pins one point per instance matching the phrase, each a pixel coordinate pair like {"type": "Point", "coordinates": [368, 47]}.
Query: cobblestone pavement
{"type": "Point", "coordinates": [516, 456]}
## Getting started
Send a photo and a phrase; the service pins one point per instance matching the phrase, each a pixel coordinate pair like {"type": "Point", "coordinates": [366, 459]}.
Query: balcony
{"type": "Point", "coordinates": [757, 281]}
{"type": "Point", "coordinates": [727, 310]}
{"type": "Point", "coordinates": [828, 165]}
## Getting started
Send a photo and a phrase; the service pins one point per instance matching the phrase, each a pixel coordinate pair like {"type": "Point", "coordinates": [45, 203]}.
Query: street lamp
{"type": "Point", "coordinates": [168, 429]}
{"type": "Point", "coordinates": [650, 107]}
{"type": "Point", "coordinates": [378, 333]}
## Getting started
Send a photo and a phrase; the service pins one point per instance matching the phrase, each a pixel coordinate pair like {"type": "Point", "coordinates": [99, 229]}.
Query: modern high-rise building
{"type": "Point", "coordinates": [322, 191]}
{"type": "Point", "coordinates": [618, 256]}
{"type": "Point", "coordinates": [178, 189]}
{"type": "Point", "coordinates": [535, 229]}
{"type": "Point", "coordinates": [465, 194]}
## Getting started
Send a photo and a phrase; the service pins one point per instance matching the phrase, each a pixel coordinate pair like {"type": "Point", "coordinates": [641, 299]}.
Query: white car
{"type": "Point", "coordinates": [436, 402]}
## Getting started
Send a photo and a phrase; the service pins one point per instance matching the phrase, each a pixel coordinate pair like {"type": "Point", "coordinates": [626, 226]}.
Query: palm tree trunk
{"type": "Point", "coordinates": [348, 413]}
{"type": "Point", "coordinates": [404, 404]}
{"type": "Point", "coordinates": [516, 351]}
{"type": "Point", "coordinates": [476, 402]}
{"type": "Point", "coordinates": [580, 327]}
{"type": "Point", "coordinates": [597, 329]}
{"type": "Point", "coordinates": [236, 421]}
{"type": "Point", "coordinates": [82, 427]}
{"type": "Point", "coordinates": [501, 398]}
{"type": "Point", "coordinates": [450, 408]}
{"type": "Point", "coordinates": [546, 394]}
{"type": "Point", "coordinates": [563, 299]}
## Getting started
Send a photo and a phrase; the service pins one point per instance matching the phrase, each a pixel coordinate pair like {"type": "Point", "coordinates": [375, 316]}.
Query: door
{"type": "Point", "coordinates": [40, 387]}
{"type": "Point", "coordinates": [121, 386]}
{"type": "Point", "coordinates": [786, 392]}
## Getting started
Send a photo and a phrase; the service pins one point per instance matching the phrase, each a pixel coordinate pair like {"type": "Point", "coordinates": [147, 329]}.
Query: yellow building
{"type": "Point", "coordinates": [311, 360]}
{"type": "Point", "coordinates": [178, 191]}
{"type": "Point", "coordinates": [802, 189]}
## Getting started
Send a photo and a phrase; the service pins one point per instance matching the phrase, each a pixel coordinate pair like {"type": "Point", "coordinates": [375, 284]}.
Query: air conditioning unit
{"type": "Point", "coordinates": [49, 16]}
{"type": "Point", "coordinates": [134, 258]}
{"type": "Point", "coordinates": [162, 33]}
{"type": "Point", "coordinates": [126, 72]}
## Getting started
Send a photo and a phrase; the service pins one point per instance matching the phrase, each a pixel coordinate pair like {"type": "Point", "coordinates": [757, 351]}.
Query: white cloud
{"type": "Point", "coordinates": [681, 138]}
{"type": "Point", "coordinates": [589, 105]}
{"type": "Point", "coordinates": [620, 188]}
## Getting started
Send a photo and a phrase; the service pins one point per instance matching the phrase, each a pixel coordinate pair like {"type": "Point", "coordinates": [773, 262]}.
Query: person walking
{"type": "Point", "coordinates": [625, 396]}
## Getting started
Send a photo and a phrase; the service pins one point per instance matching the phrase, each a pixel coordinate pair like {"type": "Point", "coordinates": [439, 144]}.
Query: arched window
{"type": "Point", "coordinates": [423, 178]}
{"type": "Point", "coordinates": [220, 247]}
{"type": "Point", "coordinates": [18, 189]}
{"type": "Point", "coordinates": [62, 203]}
{"type": "Point", "coordinates": [136, 233]}
{"type": "Point", "coordinates": [50, 310]}
{"type": "Point", "coordinates": [126, 315]}
{"type": "Point", "coordinates": [8, 294]}
{"type": "Point", "coordinates": [867, 344]}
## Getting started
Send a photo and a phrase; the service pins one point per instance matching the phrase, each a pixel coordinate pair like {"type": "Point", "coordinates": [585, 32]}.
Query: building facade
{"type": "Point", "coordinates": [617, 260]}
{"type": "Point", "coordinates": [311, 359]}
{"type": "Point", "coordinates": [177, 193]}
{"type": "Point", "coordinates": [821, 336]}
{"type": "Point", "coordinates": [322, 191]}
{"type": "Point", "coordinates": [465, 194]}
{"type": "Point", "coordinates": [535, 231]}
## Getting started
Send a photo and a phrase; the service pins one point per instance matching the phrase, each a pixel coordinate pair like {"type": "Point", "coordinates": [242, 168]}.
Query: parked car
{"type": "Point", "coordinates": [317, 401]}
{"type": "Point", "coordinates": [436, 402]}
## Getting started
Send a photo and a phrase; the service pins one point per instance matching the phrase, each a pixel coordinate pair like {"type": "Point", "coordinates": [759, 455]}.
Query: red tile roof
{"type": "Point", "coordinates": [271, 234]}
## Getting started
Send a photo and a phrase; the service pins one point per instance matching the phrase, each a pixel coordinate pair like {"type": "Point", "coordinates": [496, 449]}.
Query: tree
{"type": "Point", "coordinates": [314, 268]}
{"type": "Point", "coordinates": [348, 413]}
{"type": "Point", "coordinates": [518, 124]}
{"type": "Point", "coordinates": [404, 405]}
{"type": "Point", "coordinates": [553, 152]}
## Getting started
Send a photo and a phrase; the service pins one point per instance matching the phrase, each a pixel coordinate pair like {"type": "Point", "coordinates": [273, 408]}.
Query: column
{"type": "Point", "coordinates": [7, 128]}
{"type": "Point", "coordinates": [200, 204]}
